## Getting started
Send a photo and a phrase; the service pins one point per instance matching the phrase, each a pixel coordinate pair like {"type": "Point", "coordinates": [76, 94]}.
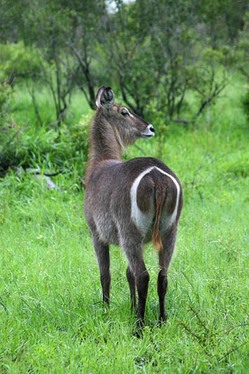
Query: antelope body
{"type": "Point", "coordinates": [129, 203]}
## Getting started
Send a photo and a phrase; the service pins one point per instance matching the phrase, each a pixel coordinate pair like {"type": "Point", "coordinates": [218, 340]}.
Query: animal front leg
{"type": "Point", "coordinates": [103, 257]}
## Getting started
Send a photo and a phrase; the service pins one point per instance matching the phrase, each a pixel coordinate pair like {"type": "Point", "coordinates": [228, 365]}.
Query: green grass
{"type": "Point", "coordinates": [51, 316]}
{"type": "Point", "coordinates": [24, 113]}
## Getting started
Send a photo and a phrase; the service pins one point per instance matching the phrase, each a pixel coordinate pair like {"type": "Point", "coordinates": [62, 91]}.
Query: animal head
{"type": "Point", "coordinates": [127, 125]}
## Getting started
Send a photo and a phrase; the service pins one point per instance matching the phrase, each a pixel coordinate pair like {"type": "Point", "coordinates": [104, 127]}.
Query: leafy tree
{"type": "Point", "coordinates": [18, 62]}
{"type": "Point", "coordinates": [10, 20]}
{"type": "Point", "coordinates": [66, 41]}
{"type": "Point", "coordinates": [242, 60]}
{"type": "Point", "coordinates": [158, 57]}
{"type": "Point", "coordinates": [155, 52]}
{"type": "Point", "coordinates": [87, 20]}
{"type": "Point", "coordinates": [128, 57]}
{"type": "Point", "coordinates": [220, 20]}
{"type": "Point", "coordinates": [57, 67]}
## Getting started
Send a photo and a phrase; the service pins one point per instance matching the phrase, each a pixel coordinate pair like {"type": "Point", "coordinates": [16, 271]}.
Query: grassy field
{"type": "Point", "coordinates": [51, 316]}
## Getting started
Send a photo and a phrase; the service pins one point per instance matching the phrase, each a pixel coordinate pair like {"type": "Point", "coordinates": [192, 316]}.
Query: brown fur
{"type": "Point", "coordinates": [110, 201]}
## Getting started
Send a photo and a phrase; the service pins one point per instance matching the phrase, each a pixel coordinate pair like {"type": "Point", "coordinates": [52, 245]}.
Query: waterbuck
{"type": "Point", "coordinates": [129, 203]}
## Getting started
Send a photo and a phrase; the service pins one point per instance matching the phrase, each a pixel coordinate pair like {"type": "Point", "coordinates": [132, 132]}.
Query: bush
{"type": "Point", "coordinates": [45, 149]}
{"type": "Point", "coordinates": [245, 104]}
{"type": "Point", "coordinates": [5, 95]}
{"type": "Point", "coordinates": [18, 61]}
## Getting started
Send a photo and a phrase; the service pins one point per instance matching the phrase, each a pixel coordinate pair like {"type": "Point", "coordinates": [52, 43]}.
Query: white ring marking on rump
{"type": "Point", "coordinates": [142, 220]}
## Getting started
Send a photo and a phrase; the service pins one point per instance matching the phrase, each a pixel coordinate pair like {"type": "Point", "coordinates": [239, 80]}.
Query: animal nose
{"type": "Point", "coordinates": [149, 131]}
{"type": "Point", "coordinates": [151, 128]}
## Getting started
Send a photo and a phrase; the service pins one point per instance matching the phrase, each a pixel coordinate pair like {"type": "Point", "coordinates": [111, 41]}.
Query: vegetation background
{"type": "Point", "coordinates": [184, 66]}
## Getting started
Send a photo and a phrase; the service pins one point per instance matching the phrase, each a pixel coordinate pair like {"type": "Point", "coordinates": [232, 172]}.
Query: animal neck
{"type": "Point", "coordinates": [105, 143]}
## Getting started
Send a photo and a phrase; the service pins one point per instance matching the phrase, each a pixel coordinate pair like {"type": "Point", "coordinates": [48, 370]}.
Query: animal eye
{"type": "Point", "coordinates": [124, 112]}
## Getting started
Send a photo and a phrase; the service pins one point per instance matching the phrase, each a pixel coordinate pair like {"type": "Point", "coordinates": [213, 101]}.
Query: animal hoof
{"type": "Point", "coordinates": [162, 320]}
{"type": "Point", "coordinates": [138, 333]}
{"type": "Point", "coordinates": [139, 328]}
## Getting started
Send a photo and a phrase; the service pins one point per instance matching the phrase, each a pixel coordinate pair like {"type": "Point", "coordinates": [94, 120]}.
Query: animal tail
{"type": "Point", "coordinates": [156, 237]}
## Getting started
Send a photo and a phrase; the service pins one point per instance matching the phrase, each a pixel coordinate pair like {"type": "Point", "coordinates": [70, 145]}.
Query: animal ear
{"type": "Point", "coordinates": [105, 97]}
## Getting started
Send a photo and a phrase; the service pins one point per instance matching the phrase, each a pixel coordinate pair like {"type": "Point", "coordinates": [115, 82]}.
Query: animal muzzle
{"type": "Point", "coordinates": [149, 131]}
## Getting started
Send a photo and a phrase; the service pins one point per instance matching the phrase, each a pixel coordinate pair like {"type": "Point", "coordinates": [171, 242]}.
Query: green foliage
{"type": "Point", "coordinates": [5, 97]}
{"type": "Point", "coordinates": [5, 127]}
{"type": "Point", "coordinates": [242, 49]}
{"type": "Point", "coordinates": [168, 61]}
{"type": "Point", "coordinates": [18, 61]}
{"type": "Point", "coordinates": [40, 147]}
{"type": "Point", "coordinates": [149, 50]}
{"type": "Point", "coordinates": [242, 55]}
{"type": "Point", "coordinates": [160, 57]}
{"type": "Point", "coordinates": [245, 104]}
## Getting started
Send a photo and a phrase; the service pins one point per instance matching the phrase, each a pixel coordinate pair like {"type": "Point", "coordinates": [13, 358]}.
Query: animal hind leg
{"type": "Point", "coordinates": [141, 276]}
{"type": "Point", "coordinates": [132, 285]}
{"type": "Point", "coordinates": [103, 257]}
{"type": "Point", "coordinates": [165, 256]}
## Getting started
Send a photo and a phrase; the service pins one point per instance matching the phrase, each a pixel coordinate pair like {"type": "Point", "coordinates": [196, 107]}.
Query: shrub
{"type": "Point", "coordinates": [245, 104]}
{"type": "Point", "coordinates": [18, 61]}
{"type": "Point", "coordinates": [45, 149]}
